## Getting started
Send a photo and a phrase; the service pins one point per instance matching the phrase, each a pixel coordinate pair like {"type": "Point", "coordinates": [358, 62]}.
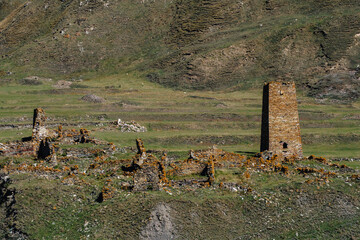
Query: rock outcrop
{"type": "Point", "coordinates": [160, 226]}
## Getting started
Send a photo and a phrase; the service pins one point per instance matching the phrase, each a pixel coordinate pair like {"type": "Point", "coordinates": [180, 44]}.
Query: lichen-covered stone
{"type": "Point", "coordinates": [148, 172]}
{"type": "Point", "coordinates": [131, 126]}
{"type": "Point", "coordinates": [140, 146]}
{"type": "Point", "coordinates": [147, 178]}
{"type": "Point", "coordinates": [210, 171]}
{"type": "Point", "coordinates": [39, 130]}
{"type": "Point", "coordinates": [46, 150]}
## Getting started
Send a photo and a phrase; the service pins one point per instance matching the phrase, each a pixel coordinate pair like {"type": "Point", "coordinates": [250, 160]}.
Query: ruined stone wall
{"type": "Point", "coordinates": [280, 130]}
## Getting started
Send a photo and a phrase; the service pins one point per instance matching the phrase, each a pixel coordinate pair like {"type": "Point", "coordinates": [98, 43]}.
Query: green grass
{"type": "Point", "coordinates": [350, 150]}
{"type": "Point", "coordinates": [271, 212]}
{"type": "Point", "coordinates": [177, 121]}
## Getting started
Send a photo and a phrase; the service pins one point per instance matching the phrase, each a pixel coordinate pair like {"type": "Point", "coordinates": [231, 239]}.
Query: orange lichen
{"type": "Point", "coordinates": [163, 157]}
{"type": "Point", "coordinates": [162, 173]}
{"type": "Point", "coordinates": [290, 160]}
{"type": "Point", "coordinates": [211, 172]}
{"type": "Point", "coordinates": [60, 131]}
{"type": "Point", "coordinates": [338, 165]}
{"type": "Point", "coordinates": [355, 177]}
{"type": "Point", "coordinates": [31, 168]}
{"type": "Point", "coordinates": [281, 168]}
{"type": "Point", "coordinates": [319, 159]}
{"type": "Point", "coordinates": [84, 131]}
{"type": "Point", "coordinates": [329, 174]}
{"type": "Point", "coordinates": [309, 181]}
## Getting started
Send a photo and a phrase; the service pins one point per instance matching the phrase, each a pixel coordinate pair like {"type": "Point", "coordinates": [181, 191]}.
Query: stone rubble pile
{"type": "Point", "coordinates": [93, 98]}
{"type": "Point", "coordinates": [147, 170]}
{"type": "Point", "coordinates": [130, 126]}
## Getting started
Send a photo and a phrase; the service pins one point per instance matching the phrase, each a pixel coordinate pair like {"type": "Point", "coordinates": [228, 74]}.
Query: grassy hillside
{"type": "Point", "coordinates": [7, 7]}
{"type": "Point", "coordinates": [192, 73]}
{"type": "Point", "coordinates": [185, 44]}
{"type": "Point", "coordinates": [295, 211]}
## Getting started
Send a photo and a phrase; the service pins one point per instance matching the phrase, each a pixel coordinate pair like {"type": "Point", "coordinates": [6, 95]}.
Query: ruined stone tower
{"type": "Point", "coordinates": [280, 128]}
{"type": "Point", "coordinates": [39, 129]}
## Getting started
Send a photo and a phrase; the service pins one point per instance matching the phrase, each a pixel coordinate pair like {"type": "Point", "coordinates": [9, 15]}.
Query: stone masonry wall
{"type": "Point", "coordinates": [39, 129]}
{"type": "Point", "coordinates": [280, 130]}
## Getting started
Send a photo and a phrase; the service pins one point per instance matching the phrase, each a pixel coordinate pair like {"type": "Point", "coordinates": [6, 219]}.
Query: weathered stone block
{"type": "Point", "coordinates": [147, 178]}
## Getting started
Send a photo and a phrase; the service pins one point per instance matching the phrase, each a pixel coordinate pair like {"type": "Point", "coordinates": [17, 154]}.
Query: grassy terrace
{"type": "Point", "coordinates": [176, 120]}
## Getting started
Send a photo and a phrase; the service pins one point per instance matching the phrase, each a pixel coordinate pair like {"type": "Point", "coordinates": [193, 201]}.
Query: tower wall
{"type": "Point", "coordinates": [280, 129]}
{"type": "Point", "coordinates": [39, 129]}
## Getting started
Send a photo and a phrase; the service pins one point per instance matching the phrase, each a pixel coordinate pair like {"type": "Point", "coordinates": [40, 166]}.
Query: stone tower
{"type": "Point", "coordinates": [39, 129]}
{"type": "Point", "coordinates": [280, 128]}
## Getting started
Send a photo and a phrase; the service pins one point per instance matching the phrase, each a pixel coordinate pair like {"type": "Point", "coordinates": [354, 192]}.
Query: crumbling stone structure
{"type": "Point", "coordinates": [46, 150]}
{"type": "Point", "coordinates": [147, 178]}
{"type": "Point", "coordinates": [148, 172]}
{"type": "Point", "coordinates": [280, 129]}
{"type": "Point", "coordinates": [43, 143]}
{"type": "Point", "coordinates": [34, 145]}
{"type": "Point", "coordinates": [39, 130]}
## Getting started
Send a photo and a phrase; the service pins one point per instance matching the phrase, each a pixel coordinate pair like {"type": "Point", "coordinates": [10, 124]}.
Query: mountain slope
{"type": "Point", "coordinates": [185, 44]}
